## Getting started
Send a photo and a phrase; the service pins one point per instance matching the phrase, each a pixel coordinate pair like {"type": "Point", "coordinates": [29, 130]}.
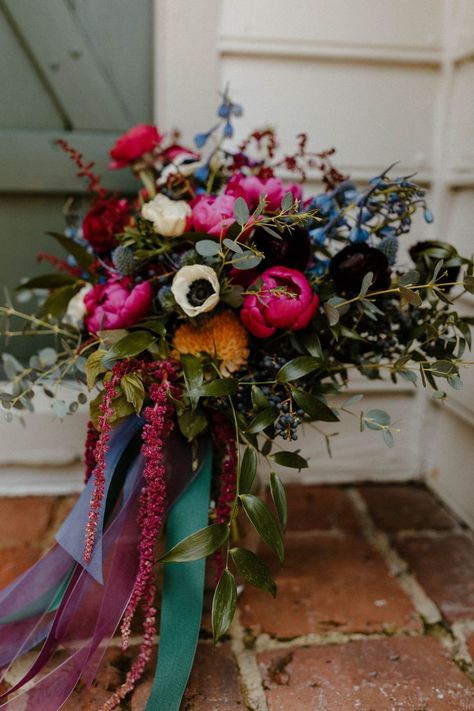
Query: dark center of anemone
{"type": "Point", "coordinates": [199, 290]}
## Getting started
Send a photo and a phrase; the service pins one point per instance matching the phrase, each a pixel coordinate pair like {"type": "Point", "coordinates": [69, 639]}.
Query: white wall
{"type": "Point", "coordinates": [382, 81]}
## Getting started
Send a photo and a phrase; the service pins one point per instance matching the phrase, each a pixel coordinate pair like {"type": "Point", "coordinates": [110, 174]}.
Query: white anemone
{"type": "Point", "coordinates": [196, 289]}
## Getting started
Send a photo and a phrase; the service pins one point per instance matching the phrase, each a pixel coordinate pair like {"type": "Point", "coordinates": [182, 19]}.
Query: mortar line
{"type": "Point", "coordinates": [250, 677]}
{"type": "Point", "coordinates": [422, 603]}
{"type": "Point", "coordinates": [450, 635]}
{"type": "Point", "coordinates": [266, 643]}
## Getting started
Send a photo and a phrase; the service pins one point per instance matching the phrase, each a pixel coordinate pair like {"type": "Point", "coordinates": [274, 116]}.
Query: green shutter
{"type": "Point", "coordinates": [74, 69]}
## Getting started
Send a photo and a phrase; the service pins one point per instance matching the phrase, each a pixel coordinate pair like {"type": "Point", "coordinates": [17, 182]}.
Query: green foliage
{"type": "Point", "coordinates": [279, 499]}
{"type": "Point", "coordinates": [198, 545]}
{"type": "Point", "coordinates": [253, 569]}
{"type": "Point", "coordinates": [223, 604]}
{"type": "Point", "coordinates": [297, 368]}
{"type": "Point", "coordinates": [248, 470]}
{"type": "Point", "coordinates": [130, 345]}
{"type": "Point", "coordinates": [293, 460]}
{"type": "Point", "coordinates": [264, 523]}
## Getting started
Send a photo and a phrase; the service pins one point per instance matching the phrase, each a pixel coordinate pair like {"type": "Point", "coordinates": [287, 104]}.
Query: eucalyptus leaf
{"type": "Point", "coordinates": [332, 313]}
{"type": "Point", "coordinates": [253, 570]}
{"type": "Point", "coordinates": [246, 261]}
{"type": "Point", "coordinates": [388, 438]}
{"type": "Point", "coordinates": [241, 211]}
{"type": "Point", "coordinates": [264, 523]}
{"type": "Point", "coordinates": [223, 604]}
{"type": "Point", "coordinates": [411, 277]}
{"type": "Point", "coordinates": [410, 296]}
{"type": "Point", "coordinates": [207, 247]}
{"type": "Point", "coordinates": [377, 419]}
{"type": "Point", "coordinates": [233, 246]}
{"type": "Point", "coordinates": [468, 284]}
{"type": "Point", "coordinates": [287, 201]}
{"type": "Point", "coordinates": [367, 282]}
{"type": "Point", "coordinates": [198, 545]}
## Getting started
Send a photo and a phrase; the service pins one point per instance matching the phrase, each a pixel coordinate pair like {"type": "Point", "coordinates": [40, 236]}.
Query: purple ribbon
{"type": "Point", "coordinates": [97, 594]}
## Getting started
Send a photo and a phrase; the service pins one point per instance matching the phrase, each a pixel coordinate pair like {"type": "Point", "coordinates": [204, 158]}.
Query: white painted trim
{"type": "Point", "coordinates": [41, 481]}
{"type": "Point", "coordinates": [230, 45]}
{"type": "Point", "coordinates": [186, 64]}
{"type": "Point", "coordinates": [445, 493]}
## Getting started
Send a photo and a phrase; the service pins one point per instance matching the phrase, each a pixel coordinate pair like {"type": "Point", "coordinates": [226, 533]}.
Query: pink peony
{"type": "Point", "coordinates": [117, 304]}
{"type": "Point", "coordinates": [134, 144]}
{"type": "Point", "coordinates": [285, 300]}
{"type": "Point", "coordinates": [252, 188]}
{"type": "Point", "coordinates": [213, 213]}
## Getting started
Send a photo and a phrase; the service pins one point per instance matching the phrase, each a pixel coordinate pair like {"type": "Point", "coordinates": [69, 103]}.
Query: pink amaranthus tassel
{"type": "Point", "coordinates": [92, 436]}
{"type": "Point", "coordinates": [100, 452]}
{"type": "Point", "coordinates": [159, 423]}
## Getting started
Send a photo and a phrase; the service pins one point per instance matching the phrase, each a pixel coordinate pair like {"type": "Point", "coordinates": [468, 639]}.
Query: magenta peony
{"type": "Point", "coordinates": [134, 144]}
{"type": "Point", "coordinates": [285, 300]}
{"type": "Point", "coordinates": [213, 214]}
{"type": "Point", "coordinates": [251, 188]}
{"type": "Point", "coordinates": [116, 304]}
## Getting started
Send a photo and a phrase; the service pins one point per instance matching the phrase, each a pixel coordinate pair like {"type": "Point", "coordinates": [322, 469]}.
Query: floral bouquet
{"type": "Point", "coordinates": [209, 316]}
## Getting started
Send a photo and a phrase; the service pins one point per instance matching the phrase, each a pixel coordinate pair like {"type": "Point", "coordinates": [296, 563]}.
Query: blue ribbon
{"type": "Point", "coordinates": [182, 600]}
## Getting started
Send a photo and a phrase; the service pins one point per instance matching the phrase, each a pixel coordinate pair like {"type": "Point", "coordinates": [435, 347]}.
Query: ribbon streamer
{"type": "Point", "coordinates": [61, 601]}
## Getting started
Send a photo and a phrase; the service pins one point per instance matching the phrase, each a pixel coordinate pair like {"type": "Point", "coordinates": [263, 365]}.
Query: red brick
{"type": "Point", "coordinates": [397, 674]}
{"type": "Point", "coordinates": [109, 677]}
{"type": "Point", "coordinates": [329, 584]}
{"type": "Point", "coordinates": [15, 561]}
{"type": "Point", "coordinates": [445, 568]}
{"type": "Point", "coordinates": [319, 508]}
{"type": "Point", "coordinates": [24, 519]}
{"type": "Point", "coordinates": [395, 507]}
{"type": "Point", "coordinates": [213, 685]}
{"type": "Point", "coordinates": [470, 645]}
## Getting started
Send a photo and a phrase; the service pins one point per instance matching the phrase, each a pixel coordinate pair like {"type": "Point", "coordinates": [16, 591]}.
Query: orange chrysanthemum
{"type": "Point", "coordinates": [222, 336]}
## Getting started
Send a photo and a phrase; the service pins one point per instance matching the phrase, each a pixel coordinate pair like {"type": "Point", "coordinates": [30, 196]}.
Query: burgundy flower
{"type": "Point", "coordinates": [292, 249]}
{"type": "Point", "coordinates": [134, 144]}
{"type": "Point", "coordinates": [103, 222]}
{"type": "Point", "coordinates": [426, 254]}
{"type": "Point", "coordinates": [349, 267]}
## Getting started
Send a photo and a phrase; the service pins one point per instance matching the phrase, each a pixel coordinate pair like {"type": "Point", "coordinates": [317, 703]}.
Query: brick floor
{"type": "Point", "coordinates": [445, 568]}
{"type": "Point", "coordinates": [330, 584]}
{"type": "Point", "coordinates": [395, 507]}
{"type": "Point", "coordinates": [400, 674]}
{"type": "Point", "coordinates": [320, 508]}
{"type": "Point", "coordinates": [342, 634]}
{"type": "Point", "coordinates": [24, 520]}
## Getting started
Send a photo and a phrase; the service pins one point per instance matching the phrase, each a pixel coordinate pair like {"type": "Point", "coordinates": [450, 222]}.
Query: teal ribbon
{"type": "Point", "coordinates": [182, 599]}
